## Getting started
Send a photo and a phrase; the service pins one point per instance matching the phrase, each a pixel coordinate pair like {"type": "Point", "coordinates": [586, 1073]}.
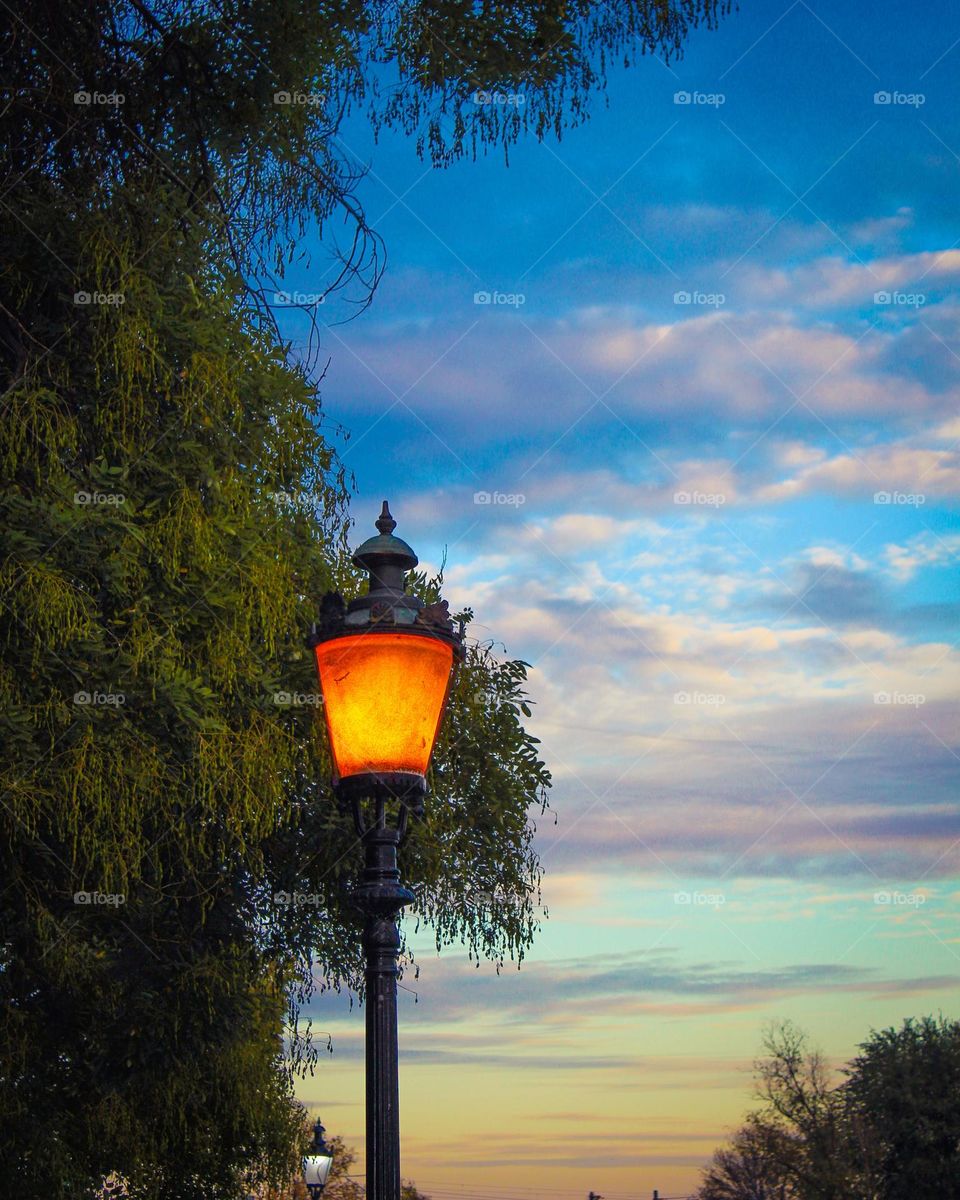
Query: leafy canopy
{"type": "Point", "coordinates": [887, 1127]}
{"type": "Point", "coordinates": [171, 508]}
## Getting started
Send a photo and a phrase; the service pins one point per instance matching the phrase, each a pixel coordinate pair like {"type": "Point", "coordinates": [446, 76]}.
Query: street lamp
{"type": "Point", "coordinates": [317, 1163]}
{"type": "Point", "coordinates": [386, 662]}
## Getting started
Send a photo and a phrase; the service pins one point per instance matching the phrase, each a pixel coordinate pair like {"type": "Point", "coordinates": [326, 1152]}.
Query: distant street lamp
{"type": "Point", "coordinates": [385, 663]}
{"type": "Point", "coordinates": [317, 1163]}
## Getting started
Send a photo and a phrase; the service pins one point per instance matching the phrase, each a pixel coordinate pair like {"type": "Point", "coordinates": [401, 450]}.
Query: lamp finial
{"type": "Point", "coordinates": [385, 522]}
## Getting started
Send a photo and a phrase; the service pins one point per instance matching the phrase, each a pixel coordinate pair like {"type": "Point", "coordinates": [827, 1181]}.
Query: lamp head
{"type": "Point", "coordinates": [317, 1162]}
{"type": "Point", "coordinates": [385, 663]}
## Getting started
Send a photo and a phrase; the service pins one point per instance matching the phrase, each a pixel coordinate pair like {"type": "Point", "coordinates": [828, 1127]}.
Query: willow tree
{"type": "Point", "coordinates": [172, 508]}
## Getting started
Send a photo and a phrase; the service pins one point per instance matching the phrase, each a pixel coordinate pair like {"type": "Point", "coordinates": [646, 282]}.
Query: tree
{"type": "Point", "coordinates": [410, 1191]}
{"type": "Point", "coordinates": [889, 1130]}
{"type": "Point", "coordinates": [805, 1103]}
{"type": "Point", "coordinates": [904, 1086]}
{"type": "Point", "coordinates": [341, 1183]}
{"type": "Point", "coordinates": [755, 1166]}
{"type": "Point", "coordinates": [233, 111]}
{"type": "Point", "coordinates": [171, 511]}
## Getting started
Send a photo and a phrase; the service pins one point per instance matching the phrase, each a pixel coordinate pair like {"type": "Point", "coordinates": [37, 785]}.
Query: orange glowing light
{"type": "Point", "coordinates": [383, 695]}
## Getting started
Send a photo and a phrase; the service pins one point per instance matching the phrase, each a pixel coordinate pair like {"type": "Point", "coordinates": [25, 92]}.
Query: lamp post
{"type": "Point", "coordinates": [385, 663]}
{"type": "Point", "coordinates": [317, 1163]}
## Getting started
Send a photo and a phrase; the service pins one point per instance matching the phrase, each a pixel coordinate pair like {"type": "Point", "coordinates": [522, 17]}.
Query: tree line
{"type": "Point", "coordinates": [885, 1127]}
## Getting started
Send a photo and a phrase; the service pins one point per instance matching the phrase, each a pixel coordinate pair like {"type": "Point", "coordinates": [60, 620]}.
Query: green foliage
{"type": "Point", "coordinates": [889, 1131]}
{"type": "Point", "coordinates": [904, 1086]}
{"type": "Point", "coordinates": [541, 62]}
{"type": "Point", "coordinates": [171, 511]}
{"type": "Point", "coordinates": [151, 561]}
{"type": "Point", "coordinates": [199, 116]}
{"type": "Point", "coordinates": [341, 1183]}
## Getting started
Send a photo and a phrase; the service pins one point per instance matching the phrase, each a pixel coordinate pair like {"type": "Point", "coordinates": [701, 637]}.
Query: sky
{"type": "Point", "coordinates": [677, 397]}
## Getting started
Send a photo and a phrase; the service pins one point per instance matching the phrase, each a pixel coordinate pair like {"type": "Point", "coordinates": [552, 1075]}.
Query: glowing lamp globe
{"type": "Point", "coordinates": [385, 664]}
{"type": "Point", "coordinates": [317, 1163]}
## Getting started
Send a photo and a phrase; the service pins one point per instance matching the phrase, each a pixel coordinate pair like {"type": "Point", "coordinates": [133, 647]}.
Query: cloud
{"type": "Point", "coordinates": [830, 593]}
{"type": "Point", "coordinates": [619, 376]}
{"type": "Point", "coordinates": [464, 1013]}
{"type": "Point", "coordinates": [835, 282]}
{"type": "Point", "coordinates": [923, 550]}
{"type": "Point", "coordinates": [914, 473]}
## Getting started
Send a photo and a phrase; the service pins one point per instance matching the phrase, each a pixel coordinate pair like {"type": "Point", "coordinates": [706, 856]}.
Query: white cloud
{"type": "Point", "coordinates": [923, 550]}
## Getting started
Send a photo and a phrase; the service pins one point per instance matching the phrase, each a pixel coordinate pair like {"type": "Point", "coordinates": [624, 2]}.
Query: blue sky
{"type": "Point", "coordinates": [713, 404]}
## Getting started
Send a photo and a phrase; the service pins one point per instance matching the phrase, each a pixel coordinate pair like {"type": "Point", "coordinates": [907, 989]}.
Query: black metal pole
{"type": "Point", "coordinates": [381, 897]}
